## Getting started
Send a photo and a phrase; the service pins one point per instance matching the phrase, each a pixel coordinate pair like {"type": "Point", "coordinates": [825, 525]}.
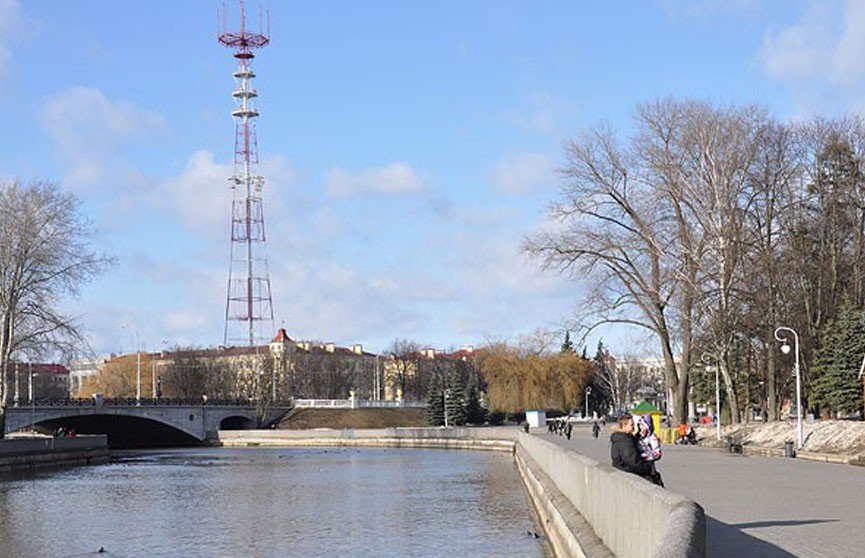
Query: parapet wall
{"type": "Point", "coordinates": [493, 438]}
{"type": "Point", "coordinates": [29, 454]}
{"type": "Point", "coordinates": [586, 508]}
{"type": "Point", "coordinates": [588, 502]}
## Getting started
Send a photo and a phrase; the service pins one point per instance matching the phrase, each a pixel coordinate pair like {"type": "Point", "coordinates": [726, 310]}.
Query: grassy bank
{"type": "Point", "coordinates": [302, 419]}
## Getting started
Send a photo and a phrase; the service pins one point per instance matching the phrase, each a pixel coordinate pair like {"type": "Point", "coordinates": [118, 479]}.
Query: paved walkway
{"type": "Point", "coordinates": [759, 506]}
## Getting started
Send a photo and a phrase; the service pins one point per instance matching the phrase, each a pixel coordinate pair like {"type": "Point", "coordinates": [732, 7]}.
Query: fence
{"type": "Point", "coordinates": [357, 404]}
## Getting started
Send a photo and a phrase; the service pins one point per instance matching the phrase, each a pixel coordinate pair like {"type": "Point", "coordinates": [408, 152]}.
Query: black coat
{"type": "Point", "coordinates": [626, 456]}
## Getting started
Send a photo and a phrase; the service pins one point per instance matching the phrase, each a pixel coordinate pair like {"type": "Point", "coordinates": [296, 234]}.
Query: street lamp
{"type": "Point", "coordinates": [374, 391]}
{"type": "Point", "coordinates": [153, 370]}
{"type": "Point", "coordinates": [588, 391]}
{"type": "Point", "coordinates": [785, 348]}
{"type": "Point", "coordinates": [16, 383]}
{"type": "Point", "coordinates": [138, 374]}
{"type": "Point", "coordinates": [706, 360]}
{"type": "Point", "coordinates": [447, 395]}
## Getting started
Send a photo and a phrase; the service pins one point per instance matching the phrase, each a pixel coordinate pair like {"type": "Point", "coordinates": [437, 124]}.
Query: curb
{"type": "Point", "coordinates": [857, 460]}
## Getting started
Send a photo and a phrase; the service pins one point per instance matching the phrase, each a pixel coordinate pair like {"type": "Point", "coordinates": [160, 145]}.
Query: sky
{"type": "Point", "coordinates": [408, 148]}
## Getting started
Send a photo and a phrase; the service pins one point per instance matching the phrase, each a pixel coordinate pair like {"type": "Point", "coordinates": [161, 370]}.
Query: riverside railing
{"type": "Point", "coordinates": [357, 404]}
{"type": "Point", "coordinates": [162, 402]}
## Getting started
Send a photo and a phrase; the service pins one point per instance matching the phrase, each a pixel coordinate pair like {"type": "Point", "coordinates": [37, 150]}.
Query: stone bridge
{"type": "Point", "coordinates": [144, 423]}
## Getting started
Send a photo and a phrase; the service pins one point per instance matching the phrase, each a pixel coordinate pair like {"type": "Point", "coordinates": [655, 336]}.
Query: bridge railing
{"type": "Point", "coordinates": [356, 404]}
{"type": "Point", "coordinates": [161, 402]}
{"type": "Point", "coordinates": [233, 402]}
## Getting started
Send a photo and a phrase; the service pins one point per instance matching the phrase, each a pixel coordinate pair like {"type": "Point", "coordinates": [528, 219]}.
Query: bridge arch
{"type": "Point", "coordinates": [237, 422]}
{"type": "Point", "coordinates": [139, 426]}
{"type": "Point", "coordinates": [123, 431]}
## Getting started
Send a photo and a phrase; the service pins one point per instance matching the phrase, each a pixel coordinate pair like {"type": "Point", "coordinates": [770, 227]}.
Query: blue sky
{"type": "Point", "coordinates": [408, 147]}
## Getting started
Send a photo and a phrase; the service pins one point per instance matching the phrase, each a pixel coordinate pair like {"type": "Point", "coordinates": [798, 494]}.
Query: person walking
{"type": "Point", "coordinates": [595, 429]}
{"type": "Point", "coordinates": [683, 431]}
{"type": "Point", "coordinates": [624, 451]}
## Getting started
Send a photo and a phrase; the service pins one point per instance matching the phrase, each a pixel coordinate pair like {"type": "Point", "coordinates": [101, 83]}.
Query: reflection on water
{"type": "Point", "coordinates": [274, 502]}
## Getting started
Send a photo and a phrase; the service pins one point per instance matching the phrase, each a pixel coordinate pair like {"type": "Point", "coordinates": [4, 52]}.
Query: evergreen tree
{"type": "Point", "coordinates": [455, 401]}
{"type": "Point", "coordinates": [475, 412]}
{"type": "Point", "coordinates": [435, 405]}
{"type": "Point", "coordinates": [600, 398]}
{"type": "Point", "coordinates": [837, 388]}
{"type": "Point", "coordinates": [567, 345]}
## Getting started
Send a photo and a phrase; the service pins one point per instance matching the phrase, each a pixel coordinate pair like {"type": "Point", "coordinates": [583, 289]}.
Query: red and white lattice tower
{"type": "Point", "coordinates": [248, 307]}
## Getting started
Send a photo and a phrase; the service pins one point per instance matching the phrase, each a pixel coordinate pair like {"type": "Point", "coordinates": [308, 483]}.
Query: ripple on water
{"type": "Point", "coordinates": [274, 502]}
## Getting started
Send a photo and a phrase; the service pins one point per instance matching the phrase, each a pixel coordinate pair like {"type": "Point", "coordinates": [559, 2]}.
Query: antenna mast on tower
{"type": "Point", "coordinates": [248, 306]}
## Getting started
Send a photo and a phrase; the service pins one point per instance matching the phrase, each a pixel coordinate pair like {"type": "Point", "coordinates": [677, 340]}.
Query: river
{"type": "Point", "coordinates": [256, 502]}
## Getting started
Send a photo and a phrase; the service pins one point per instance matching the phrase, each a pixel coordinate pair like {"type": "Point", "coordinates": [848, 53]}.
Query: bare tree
{"type": "Point", "coordinates": [774, 176]}
{"type": "Point", "coordinates": [45, 256]}
{"type": "Point", "coordinates": [721, 145]}
{"type": "Point", "coordinates": [618, 230]}
{"type": "Point", "coordinates": [621, 379]}
{"type": "Point", "coordinates": [403, 366]}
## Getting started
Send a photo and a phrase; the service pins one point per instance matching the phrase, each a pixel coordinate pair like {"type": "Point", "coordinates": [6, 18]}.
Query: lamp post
{"type": "Point", "coordinates": [706, 360]}
{"type": "Point", "coordinates": [375, 390]}
{"type": "Point", "coordinates": [32, 401]}
{"type": "Point", "coordinates": [785, 348]}
{"type": "Point", "coordinates": [588, 391]}
{"type": "Point", "coordinates": [153, 370]}
{"type": "Point", "coordinates": [138, 364]}
{"type": "Point", "coordinates": [447, 395]}
{"type": "Point", "coordinates": [16, 383]}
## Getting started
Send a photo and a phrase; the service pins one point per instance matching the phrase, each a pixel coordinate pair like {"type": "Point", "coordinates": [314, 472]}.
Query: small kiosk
{"type": "Point", "coordinates": [536, 418]}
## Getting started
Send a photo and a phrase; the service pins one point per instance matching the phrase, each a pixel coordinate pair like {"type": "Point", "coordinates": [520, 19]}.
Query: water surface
{"type": "Point", "coordinates": [274, 502]}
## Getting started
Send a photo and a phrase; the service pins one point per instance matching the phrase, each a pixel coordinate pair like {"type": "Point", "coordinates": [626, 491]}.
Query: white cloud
{"type": "Point", "coordinates": [523, 174]}
{"type": "Point", "coordinates": [201, 194]}
{"type": "Point", "coordinates": [849, 63]}
{"type": "Point", "coordinates": [88, 128]}
{"type": "Point", "coordinates": [803, 50]}
{"type": "Point", "coordinates": [394, 179]}
{"type": "Point", "coordinates": [327, 300]}
{"type": "Point", "coordinates": [13, 25]}
{"type": "Point", "coordinates": [824, 47]}
{"type": "Point", "coordinates": [500, 285]}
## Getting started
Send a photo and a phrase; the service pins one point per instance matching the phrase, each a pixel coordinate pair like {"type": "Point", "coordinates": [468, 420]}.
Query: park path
{"type": "Point", "coordinates": [758, 506]}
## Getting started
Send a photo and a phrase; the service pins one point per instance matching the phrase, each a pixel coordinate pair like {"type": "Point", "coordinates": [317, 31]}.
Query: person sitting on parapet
{"type": "Point", "coordinates": [649, 446]}
{"type": "Point", "coordinates": [624, 451]}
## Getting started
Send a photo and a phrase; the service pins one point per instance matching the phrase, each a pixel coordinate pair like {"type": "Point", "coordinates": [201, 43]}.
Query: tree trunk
{"type": "Point", "coordinates": [729, 389]}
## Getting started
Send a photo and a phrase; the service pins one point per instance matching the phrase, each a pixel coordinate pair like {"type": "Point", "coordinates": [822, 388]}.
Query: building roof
{"type": "Point", "coordinates": [42, 368]}
{"type": "Point", "coordinates": [645, 408]}
{"type": "Point", "coordinates": [281, 337]}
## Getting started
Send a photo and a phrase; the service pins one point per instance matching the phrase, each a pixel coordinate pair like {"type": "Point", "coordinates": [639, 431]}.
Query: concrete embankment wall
{"type": "Point", "coordinates": [493, 438]}
{"type": "Point", "coordinates": [29, 454]}
{"type": "Point", "coordinates": [589, 502]}
{"type": "Point", "coordinates": [586, 508]}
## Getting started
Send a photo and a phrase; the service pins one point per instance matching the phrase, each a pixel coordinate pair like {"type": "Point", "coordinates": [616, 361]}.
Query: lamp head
{"type": "Point", "coordinates": [785, 348]}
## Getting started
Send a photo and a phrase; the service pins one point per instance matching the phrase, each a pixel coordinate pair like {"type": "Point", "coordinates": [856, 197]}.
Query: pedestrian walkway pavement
{"type": "Point", "coordinates": [758, 506]}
